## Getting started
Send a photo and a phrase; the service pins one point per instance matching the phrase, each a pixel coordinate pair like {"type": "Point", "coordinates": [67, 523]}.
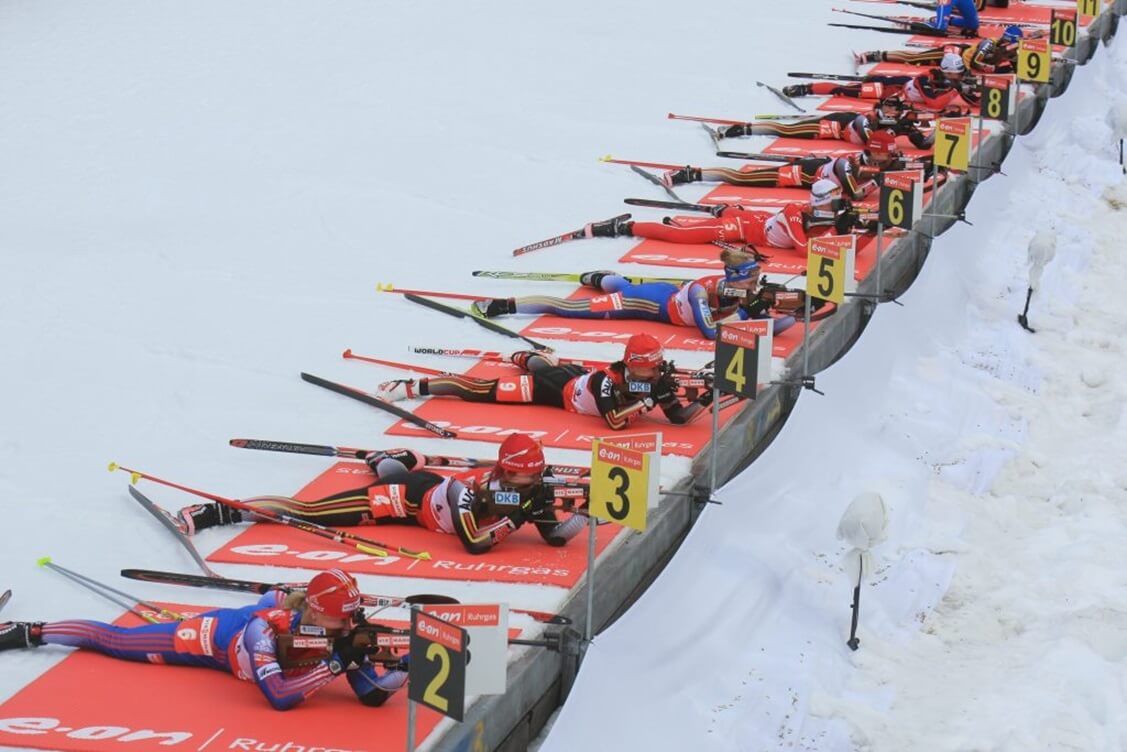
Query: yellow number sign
{"type": "Point", "coordinates": [1034, 60]}
{"type": "Point", "coordinates": [1088, 7]}
{"type": "Point", "coordinates": [997, 97]}
{"type": "Point", "coordinates": [952, 144]}
{"type": "Point", "coordinates": [829, 267]}
{"type": "Point", "coordinates": [620, 480]}
{"type": "Point", "coordinates": [1062, 29]}
{"type": "Point", "coordinates": [901, 199]}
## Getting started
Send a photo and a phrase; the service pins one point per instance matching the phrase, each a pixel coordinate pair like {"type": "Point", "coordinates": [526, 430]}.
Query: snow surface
{"type": "Point", "coordinates": [197, 201]}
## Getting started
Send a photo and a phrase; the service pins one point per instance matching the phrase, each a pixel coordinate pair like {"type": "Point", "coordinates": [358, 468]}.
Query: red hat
{"type": "Point", "coordinates": [333, 593]}
{"type": "Point", "coordinates": [643, 350]}
{"type": "Point", "coordinates": [521, 453]}
{"type": "Point", "coordinates": [883, 142]}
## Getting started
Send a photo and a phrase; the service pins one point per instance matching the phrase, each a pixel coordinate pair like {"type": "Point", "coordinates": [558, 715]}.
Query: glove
{"type": "Point", "coordinates": [348, 649]}
{"type": "Point", "coordinates": [705, 398]}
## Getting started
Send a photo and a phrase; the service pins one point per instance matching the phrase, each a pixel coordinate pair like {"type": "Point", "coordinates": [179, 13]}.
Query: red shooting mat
{"type": "Point", "coordinates": [523, 557]}
{"type": "Point", "coordinates": [556, 428]}
{"type": "Point", "coordinates": [93, 703]}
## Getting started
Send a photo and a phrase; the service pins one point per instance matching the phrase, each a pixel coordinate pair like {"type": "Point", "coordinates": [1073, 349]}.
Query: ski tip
{"type": "Point", "coordinates": [384, 287]}
{"type": "Point", "coordinates": [347, 353]}
{"type": "Point", "coordinates": [606, 158]}
{"type": "Point", "coordinates": [241, 443]}
{"type": "Point", "coordinates": [112, 466]}
{"type": "Point", "coordinates": [43, 561]}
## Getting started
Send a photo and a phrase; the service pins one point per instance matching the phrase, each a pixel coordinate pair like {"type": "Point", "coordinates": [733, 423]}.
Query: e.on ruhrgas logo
{"type": "Point", "coordinates": [44, 732]}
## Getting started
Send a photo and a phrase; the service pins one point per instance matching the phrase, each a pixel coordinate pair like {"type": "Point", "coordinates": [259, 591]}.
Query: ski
{"type": "Point", "coordinates": [324, 450]}
{"type": "Point", "coordinates": [759, 157]}
{"type": "Point", "coordinates": [778, 93]}
{"type": "Point", "coordinates": [368, 399]}
{"type": "Point", "coordinates": [658, 204]}
{"type": "Point", "coordinates": [827, 76]}
{"type": "Point", "coordinates": [656, 181]}
{"type": "Point", "coordinates": [568, 277]}
{"type": "Point", "coordinates": [261, 588]}
{"type": "Point", "coordinates": [548, 243]}
{"type": "Point", "coordinates": [165, 518]}
{"type": "Point", "coordinates": [486, 323]}
{"type": "Point", "coordinates": [4, 598]}
{"type": "Point", "coordinates": [713, 135]}
{"type": "Point", "coordinates": [875, 17]}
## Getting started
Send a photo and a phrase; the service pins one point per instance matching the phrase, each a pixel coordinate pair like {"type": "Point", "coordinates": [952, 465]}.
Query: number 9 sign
{"type": "Point", "coordinates": [1034, 60]}
{"type": "Point", "coordinates": [619, 484]}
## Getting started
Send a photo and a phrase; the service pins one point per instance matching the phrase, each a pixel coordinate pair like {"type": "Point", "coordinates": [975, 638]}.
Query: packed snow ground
{"type": "Point", "coordinates": [197, 202]}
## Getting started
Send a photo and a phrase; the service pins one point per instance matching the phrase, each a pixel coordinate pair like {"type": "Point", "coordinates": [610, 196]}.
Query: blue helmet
{"type": "Point", "coordinates": [1012, 34]}
{"type": "Point", "coordinates": [740, 272]}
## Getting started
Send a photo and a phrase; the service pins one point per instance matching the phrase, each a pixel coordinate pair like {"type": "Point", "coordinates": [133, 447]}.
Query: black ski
{"type": "Point", "coordinates": [659, 204]}
{"type": "Point", "coordinates": [5, 597]}
{"type": "Point", "coordinates": [656, 181]}
{"type": "Point", "coordinates": [261, 588]}
{"type": "Point", "coordinates": [759, 157]}
{"type": "Point", "coordinates": [906, 32]}
{"type": "Point", "coordinates": [540, 244]}
{"type": "Point", "coordinates": [458, 313]}
{"type": "Point", "coordinates": [827, 76]}
{"type": "Point", "coordinates": [778, 93]}
{"type": "Point", "coordinates": [368, 399]}
{"type": "Point", "coordinates": [169, 523]}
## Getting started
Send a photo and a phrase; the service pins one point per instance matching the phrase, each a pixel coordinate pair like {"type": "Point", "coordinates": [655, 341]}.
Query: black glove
{"type": "Point", "coordinates": [705, 398]}
{"type": "Point", "coordinates": [348, 649]}
{"type": "Point", "coordinates": [846, 221]}
{"type": "Point", "coordinates": [409, 458]}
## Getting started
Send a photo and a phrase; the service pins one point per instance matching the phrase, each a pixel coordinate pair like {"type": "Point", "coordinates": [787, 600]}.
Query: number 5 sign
{"type": "Point", "coordinates": [829, 267]}
{"type": "Point", "coordinates": [620, 484]}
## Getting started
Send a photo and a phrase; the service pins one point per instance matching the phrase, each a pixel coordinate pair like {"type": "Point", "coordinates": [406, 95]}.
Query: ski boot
{"type": "Point", "coordinates": [20, 634]}
{"type": "Point", "coordinates": [609, 228]}
{"type": "Point", "coordinates": [199, 517]}
{"type": "Point", "coordinates": [686, 174]}
{"type": "Point", "coordinates": [594, 280]}
{"type": "Point", "coordinates": [491, 307]}
{"type": "Point", "coordinates": [397, 390]}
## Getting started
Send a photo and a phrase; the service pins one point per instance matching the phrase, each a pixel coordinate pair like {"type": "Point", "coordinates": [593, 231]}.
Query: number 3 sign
{"type": "Point", "coordinates": [620, 480]}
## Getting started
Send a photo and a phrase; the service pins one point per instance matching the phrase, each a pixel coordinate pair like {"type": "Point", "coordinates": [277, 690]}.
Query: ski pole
{"type": "Point", "coordinates": [104, 590]}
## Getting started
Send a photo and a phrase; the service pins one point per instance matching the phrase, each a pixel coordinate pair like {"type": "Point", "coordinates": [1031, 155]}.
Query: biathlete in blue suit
{"type": "Point", "coordinates": [959, 13]}
{"type": "Point", "coordinates": [255, 643]}
{"type": "Point", "coordinates": [700, 303]}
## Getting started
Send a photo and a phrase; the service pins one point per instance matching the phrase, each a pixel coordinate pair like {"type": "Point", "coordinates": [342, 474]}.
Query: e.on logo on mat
{"type": "Point", "coordinates": [120, 734]}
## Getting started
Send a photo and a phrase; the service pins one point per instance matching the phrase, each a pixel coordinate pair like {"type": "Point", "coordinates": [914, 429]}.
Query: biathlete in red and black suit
{"type": "Point", "coordinates": [851, 127]}
{"type": "Point", "coordinates": [853, 174]}
{"type": "Point", "coordinates": [937, 90]}
{"type": "Point", "coordinates": [619, 393]}
{"type": "Point", "coordinates": [481, 506]}
{"type": "Point", "coordinates": [790, 227]}
{"type": "Point", "coordinates": [254, 643]}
